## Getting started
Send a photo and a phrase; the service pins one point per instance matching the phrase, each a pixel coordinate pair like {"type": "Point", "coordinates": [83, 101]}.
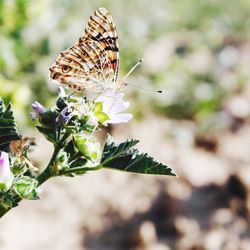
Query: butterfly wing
{"type": "Point", "coordinates": [101, 28]}
{"type": "Point", "coordinates": [93, 60]}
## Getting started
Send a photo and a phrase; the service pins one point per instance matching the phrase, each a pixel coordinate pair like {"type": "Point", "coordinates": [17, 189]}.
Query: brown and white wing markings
{"type": "Point", "coordinates": [94, 59]}
{"type": "Point", "coordinates": [101, 28]}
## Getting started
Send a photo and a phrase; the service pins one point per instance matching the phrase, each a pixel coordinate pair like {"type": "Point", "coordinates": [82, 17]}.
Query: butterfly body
{"type": "Point", "coordinates": [92, 64]}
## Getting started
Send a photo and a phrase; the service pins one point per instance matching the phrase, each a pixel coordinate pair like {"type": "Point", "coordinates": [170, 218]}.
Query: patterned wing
{"type": "Point", "coordinates": [101, 28]}
{"type": "Point", "coordinates": [93, 60]}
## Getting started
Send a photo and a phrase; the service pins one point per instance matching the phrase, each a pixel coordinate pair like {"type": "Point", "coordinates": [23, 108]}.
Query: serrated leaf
{"type": "Point", "coordinates": [125, 157]}
{"type": "Point", "coordinates": [8, 130]}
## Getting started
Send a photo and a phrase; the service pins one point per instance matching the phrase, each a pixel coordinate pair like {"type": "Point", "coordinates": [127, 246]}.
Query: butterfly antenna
{"type": "Point", "coordinates": [132, 69]}
{"type": "Point", "coordinates": [136, 86]}
{"type": "Point", "coordinates": [139, 87]}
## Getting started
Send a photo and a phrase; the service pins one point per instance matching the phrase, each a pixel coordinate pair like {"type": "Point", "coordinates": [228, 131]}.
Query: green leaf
{"type": "Point", "coordinates": [125, 157]}
{"type": "Point", "coordinates": [8, 130]}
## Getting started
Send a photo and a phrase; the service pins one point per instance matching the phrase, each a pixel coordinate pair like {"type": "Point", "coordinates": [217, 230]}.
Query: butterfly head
{"type": "Point", "coordinates": [62, 67]}
{"type": "Point", "coordinates": [63, 71]}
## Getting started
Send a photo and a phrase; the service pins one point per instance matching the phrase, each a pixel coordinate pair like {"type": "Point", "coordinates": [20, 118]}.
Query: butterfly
{"type": "Point", "coordinates": [92, 64]}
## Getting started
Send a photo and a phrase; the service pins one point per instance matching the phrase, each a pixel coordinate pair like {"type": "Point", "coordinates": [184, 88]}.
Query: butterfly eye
{"type": "Point", "coordinates": [66, 69]}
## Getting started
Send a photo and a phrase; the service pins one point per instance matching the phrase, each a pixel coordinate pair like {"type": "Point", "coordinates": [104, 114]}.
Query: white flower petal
{"type": "Point", "coordinates": [119, 118]}
{"type": "Point", "coordinates": [6, 176]}
{"type": "Point", "coordinates": [113, 104]}
{"type": "Point", "coordinates": [119, 106]}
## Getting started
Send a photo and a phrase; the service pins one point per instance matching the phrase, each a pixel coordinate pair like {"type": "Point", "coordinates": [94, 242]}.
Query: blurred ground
{"type": "Point", "coordinates": [207, 207]}
{"type": "Point", "coordinates": [198, 51]}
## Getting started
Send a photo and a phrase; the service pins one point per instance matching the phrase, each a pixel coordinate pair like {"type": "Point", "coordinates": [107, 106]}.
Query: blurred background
{"type": "Point", "coordinates": [199, 53]}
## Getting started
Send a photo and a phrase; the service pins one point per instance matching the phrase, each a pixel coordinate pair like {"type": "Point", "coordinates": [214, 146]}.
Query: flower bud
{"type": "Point", "coordinates": [39, 110]}
{"type": "Point", "coordinates": [6, 176]}
{"type": "Point", "coordinates": [88, 146]}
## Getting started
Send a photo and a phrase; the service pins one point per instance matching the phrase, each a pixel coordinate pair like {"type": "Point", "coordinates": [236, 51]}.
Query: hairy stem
{"type": "Point", "coordinates": [80, 170]}
{"type": "Point", "coordinates": [48, 171]}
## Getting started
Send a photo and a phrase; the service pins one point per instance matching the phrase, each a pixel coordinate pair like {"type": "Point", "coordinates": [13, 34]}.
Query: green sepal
{"type": "Point", "coordinates": [86, 125]}
{"type": "Point", "coordinates": [61, 103]}
{"type": "Point", "coordinates": [49, 125]}
{"type": "Point", "coordinates": [98, 111]}
{"type": "Point", "coordinates": [98, 107]}
{"type": "Point", "coordinates": [87, 146]}
{"type": "Point", "coordinates": [26, 187]}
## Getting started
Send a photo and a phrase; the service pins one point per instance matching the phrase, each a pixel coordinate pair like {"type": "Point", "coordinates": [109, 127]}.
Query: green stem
{"type": "Point", "coordinates": [48, 171]}
{"type": "Point", "coordinates": [79, 170]}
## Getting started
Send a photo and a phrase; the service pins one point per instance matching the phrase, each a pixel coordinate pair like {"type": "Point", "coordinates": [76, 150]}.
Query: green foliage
{"type": "Point", "coordinates": [87, 146]}
{"type": "Point", "coordinates": [26, 188]}
{"type": "Point", "coordinates": [48, 125]}
{"type": "Point", "coordinates": [8, 130]}
{"type": "Point", "coordinates": [125, 157]}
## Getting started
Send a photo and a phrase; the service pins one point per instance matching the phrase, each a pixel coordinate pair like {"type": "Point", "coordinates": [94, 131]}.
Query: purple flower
{"type": "Point", "coordinates": [113, 105]}
{"type": "Point", "coordinates": [67, 113]}
{"type": "Point", "coordinates": [39, 110]}
{"type": "Point", "coordinates": [6, 176]}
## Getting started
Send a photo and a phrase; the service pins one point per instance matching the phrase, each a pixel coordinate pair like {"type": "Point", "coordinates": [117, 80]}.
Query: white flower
{"type": "Point", "coordinates": [6, 176]}
{"type": "Point", "coordinates": [113, 105]}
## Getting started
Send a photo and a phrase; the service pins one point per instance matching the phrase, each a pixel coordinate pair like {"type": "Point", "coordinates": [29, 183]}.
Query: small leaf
{"type": "Point", "coordinates": [127, 158]}
{"type": "Point", "coordinates": [8, 130]}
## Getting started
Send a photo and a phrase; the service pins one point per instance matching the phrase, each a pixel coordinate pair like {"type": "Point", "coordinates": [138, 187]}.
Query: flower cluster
{"type": "Point", "coordinates": [71, 125]}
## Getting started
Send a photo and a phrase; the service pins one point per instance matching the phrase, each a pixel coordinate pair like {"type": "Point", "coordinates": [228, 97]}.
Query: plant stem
{"type": "Point", "coordinates": [48, 171]}
{"type": "Point", "coordinates": [79, 170]}
{"type": "Point", "coordinates": [45, 175]}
